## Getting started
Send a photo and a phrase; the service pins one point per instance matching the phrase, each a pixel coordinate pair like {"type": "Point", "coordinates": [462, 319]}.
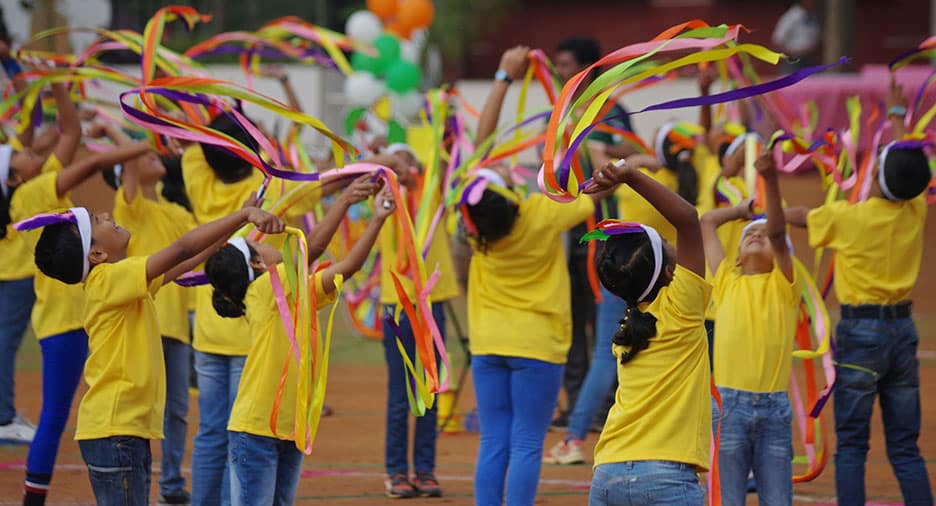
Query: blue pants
{"type": "Point", "coordinates": [602, 373]}
{"type": "Point", "coordinates": [119, 469]}
{"type": "Point", "coordinates": [63, 360]}
{"type": "Point", "coordinates": [176, 355]}
{"type": "Point", "coordinates": [756, 434]}
{"type": "Point", "coordinates": [264, 471]}
{"type": "Point", "coordinates": [645, 483]}
{"type": "Point", "coordinates": [218, 379]}
{"type": "Point", "coordinates": [878, 358]}
{"type": "Point", "coordinates": [16, 299]}
{"type": "Point", "coordinates": [516, 398]}
{"type": "Point", "coordinates": [424, 435]}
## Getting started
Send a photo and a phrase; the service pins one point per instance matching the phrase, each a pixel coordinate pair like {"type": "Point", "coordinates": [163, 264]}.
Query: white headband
{"type": "Point", "coordinates": [118, 171]}
{"type": "Point", "coordinates": [657, 245]}
{"type": "Point", "coordinates": [739, 141]}
{"type": "Point", "coordinates": [399, 147]}
{"type": "Point", "coordinates": [241, 244]}
{"type": "Point", "coordinates": [882, 179]}
{"type": "Point", "coordinates": [661, 138]}
{"type": "Point", "coordinates": [6, 153]}
{"type": "Point", "coordinates": [492, 177]}
{"type": "Point", "coordinates": [763, 221]}
{"type": "Point", "coordinates": [83, 220]}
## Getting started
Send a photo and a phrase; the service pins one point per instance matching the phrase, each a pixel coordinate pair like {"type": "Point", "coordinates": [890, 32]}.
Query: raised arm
{"type": "Point", "coordinates": [896, 109]}
{"type": "Point", "coordinates": [796, 216]}
{"type": "Point", "coordinates": [168, 261]}
{"type": "Point", "coordinates": [776, 223]}
{"type": "Point", "coordinates": [322, 233]}
{"type": "Point", "coordinates": [75, 173]}
{"type": "Point", "coordinates": [514, 62]}
{"type": "Point", "coordinates": [675, 209]}
{"type": "Point", "coordinates": [69, 125]}
{"type": "Point", "coordinates": [358, 254]}
{"type": "Point", "coordinates": [706, 78]}
{"type": "Point", "coordinates": [714, 251]}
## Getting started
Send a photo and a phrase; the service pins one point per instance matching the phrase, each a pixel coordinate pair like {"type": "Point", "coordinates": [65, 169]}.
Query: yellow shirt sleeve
{"type": "Point", "coordinates": [821, 224]}
{"type": "Point", "coordinates": [52, 164]}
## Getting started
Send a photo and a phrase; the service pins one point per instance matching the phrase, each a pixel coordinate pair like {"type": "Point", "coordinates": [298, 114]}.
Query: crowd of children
{"type": "Point", "coordinates": [698, 296]}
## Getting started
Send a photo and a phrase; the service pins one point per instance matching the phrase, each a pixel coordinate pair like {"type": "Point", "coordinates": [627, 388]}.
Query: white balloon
{"type": "Point", "coordinates": [363, 26]}
{"type": "Point", "coordinates": [362, 88]}
{"type": "Point", "coordinates": [409, 51]}
{"type": "Point", "coordinates": [406, 106]}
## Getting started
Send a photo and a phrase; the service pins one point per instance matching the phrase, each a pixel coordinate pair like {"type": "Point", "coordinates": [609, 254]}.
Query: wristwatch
{"type": "Point", "coordinates": [501, 75]}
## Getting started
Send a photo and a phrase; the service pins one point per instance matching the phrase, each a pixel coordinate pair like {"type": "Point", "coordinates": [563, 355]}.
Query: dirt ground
{"type": "Point", "coordinates": [346, 467]}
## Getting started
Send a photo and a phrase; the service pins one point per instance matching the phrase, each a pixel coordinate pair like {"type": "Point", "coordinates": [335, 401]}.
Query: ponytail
{"type": "Point", "coordinates": [635, 331]}
{"type": "Point", "coordinates": [228, 275]}
{"type": "Point", "coordinates": [687, 179]}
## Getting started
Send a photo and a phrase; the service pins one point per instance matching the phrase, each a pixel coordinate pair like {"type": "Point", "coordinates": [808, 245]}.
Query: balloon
{"type": "Point", "coordinates": [406, 105]}
{"type": "Point", "coordinates": [388, 51]}
{"type": "Point", "coordinates": [399, 30]}
{"type": "Point", "coordinates": [384, 9]}
{"type": "Point", "coordinates": [364, 63]}
{"type": "Point", "coordinates": [414, 14]}
{"type": "Point", "coordinates": [351, 120]}
{"type": "Point", "coordinates": [397, 133]}
{"type": "Point", "coordinates": [363, 27]}
{"type": "Point", "coordinates": [409, 51]}
{"type": "Point", "coordinates": [403, 76]}
{"type": "Point", "coordinates": [362, 88]}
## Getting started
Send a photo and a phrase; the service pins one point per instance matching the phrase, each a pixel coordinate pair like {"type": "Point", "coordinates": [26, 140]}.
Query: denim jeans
{"type": "Point", "coordinates": [602, 372]}
{"type": "Point", "coordinates": [425, 432]}
{"type": "Point", "coordinates": [119, 469]}
{"type": "Point", "coordinates": [583, 319]}
{"type": "Point", "coordinates": [264, 471]}
{"type": "Point", "coordinates": [756, 434]}
{"type": "Point", "coordinates": [516, 397]}
{"type": "Point", "coordinates": [176, 355]}
{"type": "Point", "coordinates": [16, 299]}
{"type": "Point", "coordinates": [878, 357]}
{"type": "Point", "coordinates": [646, 483]}
{"type": "Point", "coordinates": [218, 379]}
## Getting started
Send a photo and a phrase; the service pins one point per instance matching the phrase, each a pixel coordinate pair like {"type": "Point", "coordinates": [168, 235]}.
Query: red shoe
{"type": "Point", "coordinates": [427, 485]}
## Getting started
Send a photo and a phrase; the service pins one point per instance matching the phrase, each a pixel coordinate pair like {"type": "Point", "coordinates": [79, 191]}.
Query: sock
{"type": "Point", "coordinates": [36, 487]}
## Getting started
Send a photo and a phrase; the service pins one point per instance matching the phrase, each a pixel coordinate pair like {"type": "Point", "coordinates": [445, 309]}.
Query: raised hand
{"type": "Point", "coordinates": [514, 61]}
{"type": "Point", "coordinates": [360, 189]}
{"type": "Point", "coordinates": [384, 205]}
{"type": "Point", "coordinates": [608, 177]}
{"type": "Point", "coordinates": [266, 222]}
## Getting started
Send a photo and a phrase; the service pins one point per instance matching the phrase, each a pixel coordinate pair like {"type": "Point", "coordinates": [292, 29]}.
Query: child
{"type": "Point", "coordinates": [878, 248]}
{"type": "Point", "coordinates": [265, 463]}
{"type": "Point", "coordinates": [154, 224]}
{"type": "Point", "coordinates": [757, 300]}
{"type": "Point", "coordinates": [123, 407]}
{"type": "Point", "coordinates": [657, 435]}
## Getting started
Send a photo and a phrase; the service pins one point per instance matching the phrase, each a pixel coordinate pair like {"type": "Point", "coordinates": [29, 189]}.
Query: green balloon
{"type": "Point", "coordinates": [388, 51]}
{"type": "Point", "coordinates": [396, 134]}
{"type": "Point", "coordinates": [403, 76]}
{"type": "Point", "coordinates": [364, 63]}
{"type": "Point", "coordinates": [352, 118]}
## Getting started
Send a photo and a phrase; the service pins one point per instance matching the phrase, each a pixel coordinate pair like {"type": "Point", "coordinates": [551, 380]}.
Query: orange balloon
{"type": "Point", "coordinates": [383, 9]}
{"type": "Point", "coordinates": [398, 29]}
{"type": "Point", "coordinates": [415, 13]}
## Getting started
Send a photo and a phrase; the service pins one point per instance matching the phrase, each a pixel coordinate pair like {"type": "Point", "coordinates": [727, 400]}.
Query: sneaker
{"type": "Point", "coordinates": [181, 498]}
{"type": "Point", "coordinates": [565, 453]}
{"type": "Point", "coordinates": [19, 431]}
{"type": "Point", "coordinates": [560, 423]}
{"type": "Point", "coordinates": [427, 485]}
{"type": "Point", "coordinates": [399, 487]}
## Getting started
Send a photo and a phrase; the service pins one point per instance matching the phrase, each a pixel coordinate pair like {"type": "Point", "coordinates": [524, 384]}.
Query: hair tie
{"type": "Point", "coordinates": [241, 244]}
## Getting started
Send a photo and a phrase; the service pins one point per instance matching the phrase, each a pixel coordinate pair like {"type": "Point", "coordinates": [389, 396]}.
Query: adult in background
{"type": "Point", "coordinates": [798, 34]}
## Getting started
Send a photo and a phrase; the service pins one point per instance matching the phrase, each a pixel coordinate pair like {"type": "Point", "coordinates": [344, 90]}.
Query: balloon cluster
{"type": "Point", "coordinates": [386, 74]}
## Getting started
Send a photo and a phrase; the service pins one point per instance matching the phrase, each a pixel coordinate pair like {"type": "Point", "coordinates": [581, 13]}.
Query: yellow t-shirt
{"type": "Point", "coordinates": [633, 207]}
{"type": "Point", "coordinates": [269, 352]}
{"type": "Point", "coordinates": [756, 317]}
{"type": "Point", "coordinates": [125, 372]}
{"type": "Point", "coordinates": [730, 236]}
{"type": "Point", "coordinates": [58, 306]}
{"type": "Point", "coordinates": [662, 409]}
{"type": "Point", "coordinates": [153, 226]}
{"type": "Point", "coordinates": [14, 245]}
{"type": "Point", "coordinates": [213, 199]}
{"type": "Point", "coordinates": [518, 291]}
{"type": "Point", "coordinates": [440, 255]}
{"type": "Point", "coordinates": [878, 247]}
{"type": "Point", "coordinates": [709, 169]}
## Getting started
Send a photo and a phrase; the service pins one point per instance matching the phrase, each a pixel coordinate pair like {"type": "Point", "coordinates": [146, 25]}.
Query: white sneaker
{"type": "Point", "coordinates": [19, 431]}
{"type": "Point", "coordinates": [565, 453]}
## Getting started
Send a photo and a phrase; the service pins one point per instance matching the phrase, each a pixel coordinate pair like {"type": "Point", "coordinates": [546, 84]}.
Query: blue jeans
{"type": "Point", "coordinates": [756, 434]}
{"type": "Point", "coordinates": [602, 372]}
{"type": "Point", "coordinates": [264, 471]}
{"type": "Point", "coordinates": [218, 379]}
{"type": "Point", "coordinates": [119, 469]}
{"type": "Point", "coordinates": [516, 398]}
{"type": "Point", "coordinates": [16, 299]}
{"type": "Point", "coordinates": [176, 355]}
{"type": "Point", "coordinates": [646, 482]}
{"type": "Point", "coordinates": [878, 357]}
{"type": "Point", "coordinates": [424, 435]}
{"type": "Point", "coordinates": [63, 360]}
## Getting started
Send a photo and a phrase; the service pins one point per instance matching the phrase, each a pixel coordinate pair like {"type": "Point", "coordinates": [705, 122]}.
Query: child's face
{"type": "Point", "coordinates": [24, 165]}
{"type": "Point", "coordinates": [267, 255]}
{"type": "Point", "coordinates": [109, 238]}
{"type": "Point", "coordinates": [756, 245]}
{"type": "Point", "coordinates": [151, 168]}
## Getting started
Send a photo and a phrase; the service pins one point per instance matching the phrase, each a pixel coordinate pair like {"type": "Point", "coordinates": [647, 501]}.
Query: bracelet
{"type": "Point", "coordinates": [897, 110]}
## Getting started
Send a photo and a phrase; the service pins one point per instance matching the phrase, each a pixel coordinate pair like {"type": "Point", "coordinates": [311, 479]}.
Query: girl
{"type": "Point", "coordinates": [265, 463]}
{"type": "Point", "coordinates": [657, 435]}
{"type": "Point", "coordinates": [757, 301]}
{"type": "Point", "coordinates": [520, 327]}
{"type": "Point", "coordinates": [123, 407]}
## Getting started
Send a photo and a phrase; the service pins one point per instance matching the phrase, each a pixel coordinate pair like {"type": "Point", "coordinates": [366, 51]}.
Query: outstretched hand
{"type": "Point", "coordinates": [265, 222]}
{"type": "Point", "coordinates": [765, 164]}
{"type": "Point", "coordinates": [608, 177]}
{"type": "Point", "coordinates": [360, 189]}
{"type": "Point", "coordinates": [514, 61]}
{"type": "Point", "coordinates": [384, 205]}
